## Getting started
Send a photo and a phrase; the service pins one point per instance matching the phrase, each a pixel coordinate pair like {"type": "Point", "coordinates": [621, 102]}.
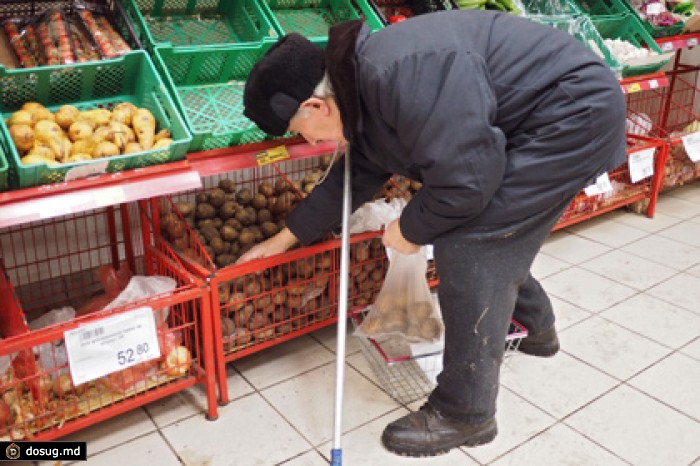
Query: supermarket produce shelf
{"type": "Point", "coordinates": [643, 83]}
{"type": "Point", "coordinates": [218, 161]}
{"type": "Point", "coordinates": [54, 200]}
{"type": "Point", "coordinates": [669, 44]}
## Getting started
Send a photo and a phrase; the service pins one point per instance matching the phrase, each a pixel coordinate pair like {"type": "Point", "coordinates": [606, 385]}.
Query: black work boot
{"type": "Point", "coordinates": [544, 344]}
{"type": "Point", "coordinates": [429, 433]}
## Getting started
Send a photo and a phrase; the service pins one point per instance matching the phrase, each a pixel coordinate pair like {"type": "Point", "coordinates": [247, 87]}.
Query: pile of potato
{"type": "Point", "coordinates": [228, 220]}
{"type": "Point", "coordinates": [368, 266]}
{"type": "Point", "coordinates": [394, 313]}
{"type": "Point", "coordinates": [281, 299]}
{"type": "Point", "coordinates": [71, 135]}
{"type": "Point", "coordinates": [399, 187]}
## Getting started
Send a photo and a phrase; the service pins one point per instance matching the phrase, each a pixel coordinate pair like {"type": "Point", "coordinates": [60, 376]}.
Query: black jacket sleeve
{"type": "Point", "coordinates": [321, 211]}
{"type": "Point", "coordinates": [442, 107]}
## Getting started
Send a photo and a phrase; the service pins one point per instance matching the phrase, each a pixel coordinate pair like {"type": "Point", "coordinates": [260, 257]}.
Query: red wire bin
{"type": "Point", "coordinates": [51, 267]}
{"type": "Point", "coordinates": [625, 188]}
{"type": "Point", "coordinates": [261, 303]}
{"type": "Point", "coordinates": [671, 114]}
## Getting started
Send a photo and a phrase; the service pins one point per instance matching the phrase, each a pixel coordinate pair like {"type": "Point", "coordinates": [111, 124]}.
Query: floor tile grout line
{"type": "Point", "coordinates": [288, 421]}
{"type": "Point", "coordinates": [556, 421]}
{"type": "Point", "coordinates": [628, 382]}
{"type": "Point", "coordinates": [172, 448]}
{"type": "Point", "coordinates": [680, 350]}
{"type": "Point", "coordinates": [563, 419]}
{"type": "Point", "coordinates": [604, 317]}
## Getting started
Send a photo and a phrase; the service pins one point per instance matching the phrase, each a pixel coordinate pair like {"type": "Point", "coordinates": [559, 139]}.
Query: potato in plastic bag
{"type": "Point", "coordinates": [404, 305]}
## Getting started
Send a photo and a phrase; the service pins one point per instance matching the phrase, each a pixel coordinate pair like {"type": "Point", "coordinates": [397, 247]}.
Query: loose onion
{"type": "Point", "coordinates": [5, 415]}
{"type": "Point", "coordinates": [178, 361]}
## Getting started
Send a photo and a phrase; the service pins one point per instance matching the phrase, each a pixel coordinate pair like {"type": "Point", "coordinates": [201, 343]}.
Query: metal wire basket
{"type": "Point", "coordinates": [408, 372]}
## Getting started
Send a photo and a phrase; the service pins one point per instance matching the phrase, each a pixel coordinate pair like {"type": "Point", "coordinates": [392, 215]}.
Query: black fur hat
{"type": "Point", "coordinates": [280, 81]}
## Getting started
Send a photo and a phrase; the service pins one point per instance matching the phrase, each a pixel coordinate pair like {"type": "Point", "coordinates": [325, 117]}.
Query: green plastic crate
{"type": "Point", "coordinates": [207, 86]}
{"type": "Point", "coordinates": [313, 18]}
{"type": "Point", "coordinates": [3, 172]}
{"type": "Point", "coordinates": [130, 78]}
{"type": "Point", "coordinates": [628, 27]}
{"type": "Point", "coordinates": [614, 7]}
{"type": "Point", "coordinates": [112, 9]}
{"type": "Point", "coordinates": [199, 22]}
{"type": "Point", "coordinates": [582, 29]}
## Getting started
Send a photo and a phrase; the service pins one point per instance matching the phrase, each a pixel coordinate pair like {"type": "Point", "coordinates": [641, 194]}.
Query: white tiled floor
{"type": "Point", "coordinates": [625, 389]}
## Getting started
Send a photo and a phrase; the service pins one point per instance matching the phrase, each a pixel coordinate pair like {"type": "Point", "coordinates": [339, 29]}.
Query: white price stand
{"type": "Point", "coordinates": [602, 185]}
{"type": "Point", "coordinates": [641, 164]}
{"type": "Point", "coordinates": [111, 344]}
{"type": "Point", "coordinates": [691, 142]}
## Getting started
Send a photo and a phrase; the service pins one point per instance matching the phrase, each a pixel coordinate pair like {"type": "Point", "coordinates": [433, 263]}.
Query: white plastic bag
{"type": "Point", "coordinates": [50, 355]}
{"type": "Point", "coordinates": [140, 288]}
{"type": "Point", "coordinates": [404, 305]}
{"type": "Point", "coordinates": [5, 362]}
{"type": "Point", "coordinates": [372, 216]}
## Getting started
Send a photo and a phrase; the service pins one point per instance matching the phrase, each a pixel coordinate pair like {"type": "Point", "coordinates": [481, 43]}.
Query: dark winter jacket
{"type": "Point", "coordinates": [498, 116]}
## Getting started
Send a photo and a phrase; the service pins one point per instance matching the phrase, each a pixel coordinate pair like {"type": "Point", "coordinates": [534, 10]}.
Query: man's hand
{"type": "Point", "coordinates": [395, 240]}
{"type": "Point", "coordinates": [279, 243]}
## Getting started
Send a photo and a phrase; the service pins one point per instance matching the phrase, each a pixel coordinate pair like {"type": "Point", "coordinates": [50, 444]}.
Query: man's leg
{"type": "Point", "coordinates": [533, 309]}
{"type": "Point", "coordinates": [480, 278]}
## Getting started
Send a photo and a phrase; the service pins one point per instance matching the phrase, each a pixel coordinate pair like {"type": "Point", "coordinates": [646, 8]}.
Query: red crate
{"type": "Point", "coordinates": [672, 112]}
{"type": "Point", "coordinates": [625, 192]}
{"type": "Point", "coordinates": [51, 264]}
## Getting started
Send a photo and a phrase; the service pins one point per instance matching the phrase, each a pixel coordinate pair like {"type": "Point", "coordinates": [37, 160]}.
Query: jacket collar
{"type": "Point", "coordinates": [341, 65]}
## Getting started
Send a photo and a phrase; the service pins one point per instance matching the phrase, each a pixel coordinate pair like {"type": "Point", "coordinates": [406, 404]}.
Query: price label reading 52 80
{"type": "Point", "coordinates": [111, 344]}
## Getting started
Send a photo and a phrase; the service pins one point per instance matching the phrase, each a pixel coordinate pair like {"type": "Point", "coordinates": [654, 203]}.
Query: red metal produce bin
{"type": "Point", "coordinates": [261, 303]}
{"type": "Point", "coordinates": [626, 185]}
{"type": "Point", "coordinates": [56, 265]}
{"type": "Point", "coordinates": [671, 114]}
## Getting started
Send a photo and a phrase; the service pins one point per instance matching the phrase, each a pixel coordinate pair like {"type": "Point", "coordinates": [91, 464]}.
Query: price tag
{"type": "Point", "coordinates": [111, 344]}
{"type": "Point", "coordinates": [667, 46]}
{"type": "Point", "coordinates": [653, 84]}
{"type": "Point", "coordinates": [110, 196]}
{"type": "Point", "coordinates": [634, 87]}
{"type": "Point", "coordinates": [692, 42]}
{"type": "Point", "coordinates": [691, 142]}
{"type": "Point", "coordinates": [641, 164]}
{"type": "Point", "coordinates": [602, 185]}
{"type": "Point", "coordinates": [275, 154]}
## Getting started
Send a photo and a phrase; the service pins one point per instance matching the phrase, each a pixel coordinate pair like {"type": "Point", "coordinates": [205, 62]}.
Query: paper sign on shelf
{"type": "Point", "coordinates": [602, 185]}
{"type": "Point", "coordinates": [111, 344]}
{"type": "Point", "coordinates": [691, 142]}
{"type": "Point", "coordinates": [111, 195]}
{"type": "Point", "coordinates": [97, 167]}
{"type": "Point", "coordinates": [641, 164]}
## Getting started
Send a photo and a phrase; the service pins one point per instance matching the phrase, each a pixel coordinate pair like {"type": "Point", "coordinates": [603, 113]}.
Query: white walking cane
{"type": "Point", "coordinates": [336, 452]}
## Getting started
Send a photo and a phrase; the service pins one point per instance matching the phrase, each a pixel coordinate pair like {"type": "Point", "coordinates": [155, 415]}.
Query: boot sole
{"type": "Point", "coordinates": [421, 452]}
{"type": "Point", "coordinates": [543, 351]}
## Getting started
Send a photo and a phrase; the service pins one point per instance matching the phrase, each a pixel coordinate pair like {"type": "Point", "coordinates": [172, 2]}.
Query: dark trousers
{"type": "Point", "coordinates": [485, 281]}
